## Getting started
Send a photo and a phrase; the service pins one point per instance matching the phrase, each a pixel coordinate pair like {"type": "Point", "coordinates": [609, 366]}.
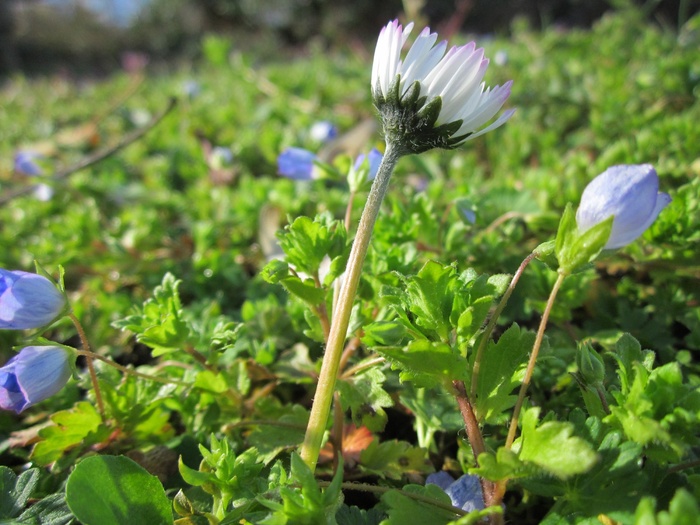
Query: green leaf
{"type": "Point", "coordinates": [281, 431]}
{"type": "Point", "coordinates": [365, 396]}
{"type": "Point", "coordinates": [552, 447]}
{"type": "Point", "coordinates": [16, 490]}
{"type": "Point", "coordinates": [683, 510]}
{"type": "Point", "coordinates": [501, 371]}
{"type": "Point", "coordinates": [305, 290]}
{"type": "Point", "coordinates": [51, 510]}
{"type": "Point", "coordinates": [427, 363]}
{"type": "Point", "coordinates": [307, 242]}
{"type": "Point", "coordinates": [114, 490]}
{"type": "Point", "coordinates": [71, 428]}
{"type": "Point", "coordinates": [573, 248]}
{"type": "Point", "coordinates": [305, 504]}
{"type": "Point", "coordinates": [394, 459]}
{"type": "Point", "coordinates": [430, 297]}
{"type": "Point", "coordinates": [404, 510]}
{"type": "Point", "coordinates": [159, 324]}
{"type": "Point", "coordinates": [356, 516]}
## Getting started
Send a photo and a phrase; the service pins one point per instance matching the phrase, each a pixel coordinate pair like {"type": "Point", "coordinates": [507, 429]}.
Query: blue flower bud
{"type": "Point", "coordinates": [296, 163]}
{"type": "Point", "coordinates": [323, 131]}
{"type": "Point", "coordinates": [374, 159]}
{"type": "Point", "coordinates": [25, 163]}
{"type": "Point", "coordinates": [629, 193]}
{"type": "Point", "coordinates": [28, 300]}
{"type": "Point", "coordinates": [36, 373]}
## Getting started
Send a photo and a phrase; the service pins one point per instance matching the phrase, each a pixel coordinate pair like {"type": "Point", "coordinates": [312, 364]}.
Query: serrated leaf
{"type": "Point", "coordinates": [365, 396]}
{"type": "Point", "coordinates": [501, 371]}
{"type": "Point", "coordinates": [284, 431]}
{"type": "Point", "coordinates": [106, 490]}
{"type": "Point", "coordinates": [307, 242]}
{"type": "Point", "coordinates": [71, 427]}
{"type": "Point", "coordinates": [305, 290]}
{"type": "Point", "coordinates": [430, 297]}
{"type": "Point", "coordinates": [159, 323]}
{"type": "Point", "coordinates": [394, 459]}
{"type": "Point", "coordinates": [552, 447]}
{"type": "Point", "coordinates": [434, 360]}
{"type": "Point", "coordinates": [356, 516]}
{"type": "Point", "coordinates": [404, 510]}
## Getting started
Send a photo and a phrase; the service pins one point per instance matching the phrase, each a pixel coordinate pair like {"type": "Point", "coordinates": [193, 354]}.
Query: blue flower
{"type": "Point", "coordinates": [323, 131]}
{"type": "Point", "coordinates": [26, 165]}
{"type": "Point", "coordinates": [36, 373]}
{"type": "Point", "coordinates": [465, 493]}
{"type": "Point", "coordinates": [374, 159]}
{"type": "Point", "coordinates": [296, 163]}
{"type": "Point", "coordinates": [631, 194]}
{"type": "Point", "coordinates": [28, 300]}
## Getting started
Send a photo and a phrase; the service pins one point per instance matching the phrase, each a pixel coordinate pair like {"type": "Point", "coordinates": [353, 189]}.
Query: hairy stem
{"type": "Point", "coordinates": [91, 367]}
{"type": "Point", "coordinates": [486, 336]}
{"type": "Point", "coordinates": [320, 408]}
{"type": "Point", "coordinates": [533, 358]}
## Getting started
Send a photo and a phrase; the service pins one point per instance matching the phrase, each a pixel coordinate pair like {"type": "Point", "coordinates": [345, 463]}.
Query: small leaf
{"type": "Point", "coordinates": [16, 490]}
{"type": "Point", "coordinates": [552, 447]}
{"type": "Point", "coordinates": [72, 427]}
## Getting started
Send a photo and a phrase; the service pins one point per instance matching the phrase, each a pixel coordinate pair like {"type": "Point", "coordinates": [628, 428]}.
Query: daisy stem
{"type": "Point", "coordinates": [87, 352]}
{"type": "Point", "coordinates": [320, 409]}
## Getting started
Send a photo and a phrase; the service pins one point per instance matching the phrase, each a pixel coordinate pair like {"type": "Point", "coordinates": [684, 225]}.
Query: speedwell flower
{"type": "Point", "coordinates": [36, 373]}
{"type": "Point", "coordinates": [628, 193]}
{"type": "Point", "coordinates": [431, 98]}
{"type": "Point", "coordinates": [28, 300]}
{"type": "Point", "coordinates": [464, 492]}
{"type": "Point", "coordinates": [296, 163]}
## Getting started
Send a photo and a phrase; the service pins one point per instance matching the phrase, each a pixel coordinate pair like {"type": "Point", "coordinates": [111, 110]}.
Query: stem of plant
{"type": "Point", "coordinates": [87, 352]}
{"type": "Point", "coordinates": [533, 358]}
{"type": "Point", "coordinates": [92, 355]}
{"type": "Point", "coordinates": [486, 336]}
{"type": "Point", "coordinates": [321, 406]}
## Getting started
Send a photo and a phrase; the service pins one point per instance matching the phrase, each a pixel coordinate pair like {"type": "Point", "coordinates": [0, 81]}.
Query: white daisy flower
{"type": "Point", "coordinates": [433, 98]}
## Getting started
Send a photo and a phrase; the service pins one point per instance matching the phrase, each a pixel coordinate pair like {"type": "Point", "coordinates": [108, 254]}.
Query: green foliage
{"type": "Point", "coordinates": [307, 504]}
{"type": "Point", "coordinates": [159, 324]}
{"type": "Point", "coordinates": [80, 427]}
{"type": "Point", "coordinates": [242, 327]}
{"type": "Point", "coordinates": [112, 490]}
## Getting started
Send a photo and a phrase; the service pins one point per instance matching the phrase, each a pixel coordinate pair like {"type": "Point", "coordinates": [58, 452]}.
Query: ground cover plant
{"type": "Point", "coordinates": [518, 346]}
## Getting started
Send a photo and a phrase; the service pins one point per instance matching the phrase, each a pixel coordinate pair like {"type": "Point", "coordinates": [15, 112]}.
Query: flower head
{"type": "Point", "coordinates": [36, 373]}
{"type": "Point", "coordinates": [296, 163]}
{"type": "Point", "coordinates": [373, 159]}
{"type": "Point", "coordinates": [323, 131]}
{"type": "Point", "coordinates": [433, 98]}
{"type": "Point", "coordinates": [629, 193]}
{"type": "Point", "coordinates": [28, 300]}
{"type": "Point", "coordinates": [25, 163]}
{"type": "Point", "coordinates": [465, 493]}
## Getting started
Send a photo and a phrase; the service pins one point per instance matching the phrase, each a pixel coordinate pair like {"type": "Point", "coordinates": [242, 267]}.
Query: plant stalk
{"type": "Point", "coordinates": [533, 358]}
{"type": "Point", "coordinates": [321, 406]}
{"type": "Point", "coordinates": [486, 336]}
{"type": "Point", "coordinates": [87, 352]}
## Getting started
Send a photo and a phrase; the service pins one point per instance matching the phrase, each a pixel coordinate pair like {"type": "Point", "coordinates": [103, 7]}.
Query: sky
{"type": "Point", "coordinates": [118, 12]}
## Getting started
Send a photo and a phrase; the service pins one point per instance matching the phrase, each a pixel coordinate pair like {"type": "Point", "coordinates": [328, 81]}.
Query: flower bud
{"type": "Point", "coordinates": [629, 193]}
{"type": "Point", "coordinates": [590, 365]}
{"type": "Point", "coordinates": [296, 163]}
{"type": "Point", "coordinates": [36, 373]}
{"type": "Point", "coordinates": [28, 300]}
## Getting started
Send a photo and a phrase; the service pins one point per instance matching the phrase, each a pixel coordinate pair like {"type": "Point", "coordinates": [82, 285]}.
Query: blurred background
{"type": "Point", "coordinates": [92, 36]}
